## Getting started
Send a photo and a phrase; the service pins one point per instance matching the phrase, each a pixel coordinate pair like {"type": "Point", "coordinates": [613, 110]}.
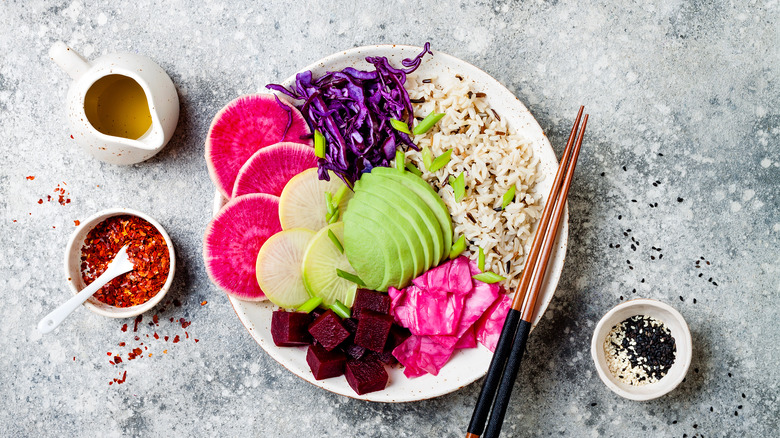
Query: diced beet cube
{"type": "Point", "coordinates": [355, 351]}
{"type": "Point", "coordinates": [366, 375]}
{"type": "Point", "coordinates": [328, 330]}
{"type": "Point", "coordinates": [372, 330]}
{"type": "Point", "coordinates": [370, 300]}
{"type": "Point", "coordinates": [396, 337]}
{"type": "Point", "coordinates": [290, 329]}
{"type": "Point", "coordinates": [325, 364]}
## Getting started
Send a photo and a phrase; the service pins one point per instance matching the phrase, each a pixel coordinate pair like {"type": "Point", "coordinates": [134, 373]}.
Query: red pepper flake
{"type": "Point", "coordinates": [74, 357]}
{"type": "Point", "coordinates": [156, 336]}
{"type": "Point", "coordinates": [77, 222]}
{"type": "Point", "coordinates": [186, 335]}
{"type": "Point", "coordinates": [111, 362]}
{"type": "Point", "coordinates": [171, 319]}
{"type": "Point", "coordinates": [156, 319]}
{"type": "Point", "coordinates": [137, 338]}
{"type": "Point", "coordinates": [203, 303]}
{"type": "Point", "coordinates": [137, 321]}
{"type": "Point", "coordinates": [184, 323]}
{"type": "Point", "coordinates": [40, 201]}
{"type": "Point", "coordinates": [176, 339]}
{"type": "Point", "coordinates": [147, 250]}
{"type": "Point", "coordinates": [121, 344]}
{"type": "Point", "coordinates": [110, 383]}
{"type": "Point", "coordinates": [30, 178]}
{"type": "Point", "coordinates": [124, 327]}
{"type": "Point", "coordinates": [166, 338]}
{"type": "Point", "coordinates": [109, 353]}
{"type": "Point", "coordinates": [196, 340]}
{"type": "Point", "coordinates": [119, 381]}
{"type": "Point", "coordinates": [117, 359]}
{"type": "Point", "coordinates": [48, 198]}
{"type": "Point", "coordinates": [165, 351]}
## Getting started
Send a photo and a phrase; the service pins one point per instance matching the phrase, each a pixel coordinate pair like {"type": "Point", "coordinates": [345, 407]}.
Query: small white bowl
{"type": "Point", "coordinates": [682, 338]}
{"type": "Point", "coordinates": [73, 264]}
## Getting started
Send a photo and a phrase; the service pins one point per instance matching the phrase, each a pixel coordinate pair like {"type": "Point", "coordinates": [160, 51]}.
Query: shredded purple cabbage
{"type": "Point", "coordinates": [352, 109]}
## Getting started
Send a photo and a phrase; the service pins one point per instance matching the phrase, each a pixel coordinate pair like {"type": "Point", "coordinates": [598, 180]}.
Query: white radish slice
{"type": "Point", "coordinates": [279, 267]}
{"type": "Point", "coordinates": [302, 203]}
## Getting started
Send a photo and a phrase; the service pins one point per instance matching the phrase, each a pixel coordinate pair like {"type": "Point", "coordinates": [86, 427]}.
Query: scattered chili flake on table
{"type": "Point", "coordinates": [147, 250]}
{"type": "Point", "coordinates": [77, 222]}
{"type": "Point", "coordinates": [30, 177]}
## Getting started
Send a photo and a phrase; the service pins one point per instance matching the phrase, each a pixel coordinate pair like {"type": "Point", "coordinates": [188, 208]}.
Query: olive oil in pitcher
{"type": "Point", "coordinates": [116, 105]}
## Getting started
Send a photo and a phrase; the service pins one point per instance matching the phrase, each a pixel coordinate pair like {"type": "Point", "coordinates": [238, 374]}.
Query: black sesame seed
{"type": "Point", "coordinates": [633, 200]}
{"type": "Point", "coordinates": [695, 425]}
{"type": "Point", "coordinates": [660, 154]}
{"type": "Point", "coordinates": [711, 410]}
{"type": "Point", "coordinates": [701, 274]}
{"type": "Point", "coordinates": [694, 301]}
{"type": "Point", "coordinates": [743, 394]}
{"type": "Point", "coordinates": [736, 414]}
{"type": "Point", "coordinates": [620, 216]}
{"type": "Point", "coordinates": [624, 169]}
{"type": "Point", "coordinates": [681, 298]}
{"type": "Point", "coordinates": [633, 291]}
{"type": "Point", "coordinates": [621, 298]}
{"type": "Point", "coordinates": [739, 407]}
{"type": "Point", "coordinates": [603, 173]}
{"type": "Point", "coordinates": [660, 256]}
{"type": "Point", "coordinates": [674, 422]}
{"type": "Point", "coordinates": [617, 245]}
{"type": "Point", "coordinates": [593, 404]}
{"type": "Point", "coordinates": [642, 281]}
{"type": "Point", "coordinates": [680, 199]}
{"type": "Point", "coordinates": [714, 283]}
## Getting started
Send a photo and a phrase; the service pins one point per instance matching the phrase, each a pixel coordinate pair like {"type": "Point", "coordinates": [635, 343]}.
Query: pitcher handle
{"type": "Point", "coordinates": [68, 60]}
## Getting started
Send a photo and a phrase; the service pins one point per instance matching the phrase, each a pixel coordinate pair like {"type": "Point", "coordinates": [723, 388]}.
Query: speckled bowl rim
{"type": "Point", "coordinates": [466, 366]}
{"type": "Point", "coordinates": [680, 332]}
{"type": "Point", "coordinates": [73, 268]}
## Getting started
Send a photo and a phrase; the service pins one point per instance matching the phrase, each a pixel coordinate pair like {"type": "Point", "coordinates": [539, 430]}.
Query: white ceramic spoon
{"type": "Point", "coordinates": [118, 266]}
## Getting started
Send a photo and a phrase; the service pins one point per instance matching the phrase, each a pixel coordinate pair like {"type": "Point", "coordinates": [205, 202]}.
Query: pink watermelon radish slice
{"type": "Point", "coordinates": [245, 126]}
{"type": "Point", "coordinates": [233, 239]}
{"type": "Point", "coordinates": [269, 169]}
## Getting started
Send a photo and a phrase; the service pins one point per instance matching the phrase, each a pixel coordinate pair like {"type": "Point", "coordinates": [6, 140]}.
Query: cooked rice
{"type": "Point", "coordinates": [493, 157]}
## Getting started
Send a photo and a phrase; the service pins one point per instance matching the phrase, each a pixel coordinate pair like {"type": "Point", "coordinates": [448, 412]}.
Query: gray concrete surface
{"type": "Point", "coordinates": [683, 94]}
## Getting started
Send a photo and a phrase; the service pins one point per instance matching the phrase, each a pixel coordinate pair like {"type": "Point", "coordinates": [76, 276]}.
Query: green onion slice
{"type": "Point", "coordinates": [399, 160]}
{"type": "Point", "coordinates": [335, 241]}
{"type": "Point", "coordinates": [458, 186]}
{"type": "Point", "coordinates": [319, 144]}
{"type": "Point", "coordinates": [488, 277]}
{"type": "Point", "coordinates": [508, 197]}
{"type": "Point", "coordinates": [329, 202]}
{"type": "Point", "coordinates": [334, 218]}
{"type": "Point", "coordinates": [427, 157]}
{"type": "Point", "coordinates": [350, 277]}
{"type": "Point", "coordinates": [440, 161]}
{"type": "Point", "coordinates": [400, 126]}
{"type": "Point", "coordinates": [412, 168]}
{"type": "Point", "coordinates": [310, 304]}
{"type": "Point", "coordinates": [458, 247]}
{"type": "Point", "coordinates": [341, 310]}
{"type": "Point", "coordinates": [339, 195]}
{"type": "Point", "coordinates": [481, 260]}
{"type": "Point", "coordinates": [427, 123]}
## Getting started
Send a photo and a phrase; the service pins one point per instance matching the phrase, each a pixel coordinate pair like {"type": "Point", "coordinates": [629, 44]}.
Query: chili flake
{"type": "Point", "coordinates": [147, 250]}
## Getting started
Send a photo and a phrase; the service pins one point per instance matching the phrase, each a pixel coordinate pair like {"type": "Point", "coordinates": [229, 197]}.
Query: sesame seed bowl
{"type": "Point", "coordinates": [644, 320]}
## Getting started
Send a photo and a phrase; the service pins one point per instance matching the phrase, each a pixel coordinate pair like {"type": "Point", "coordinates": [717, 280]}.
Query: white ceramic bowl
{"type": "Point", "coordinates": [682, 338]}
{"type": "Point", "coordinates": [73, 264]}
{"type": "Point", "coordinates": [465, 366]}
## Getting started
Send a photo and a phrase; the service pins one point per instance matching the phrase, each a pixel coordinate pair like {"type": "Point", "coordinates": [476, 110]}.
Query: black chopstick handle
{"type": "Point", "coordinates": [508, 380]}
{"type": "Point", "coordinates": [503, 348]}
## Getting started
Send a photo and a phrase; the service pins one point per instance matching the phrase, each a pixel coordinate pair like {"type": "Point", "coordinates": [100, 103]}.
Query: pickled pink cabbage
{"type": "Point", "coordinates": [442, 310]}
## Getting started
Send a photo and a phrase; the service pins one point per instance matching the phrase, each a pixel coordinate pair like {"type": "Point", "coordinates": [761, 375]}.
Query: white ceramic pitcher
{"type": "Point", "coordinates": [122, 107]}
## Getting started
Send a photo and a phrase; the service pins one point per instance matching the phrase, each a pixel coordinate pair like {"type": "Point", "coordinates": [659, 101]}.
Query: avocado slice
{"type": "Point", "coordinates": [414, 210]}
{"type": "Point", "coordinates": [427, 195]}
{"type": "Point", "coordinates": [379, 231]}
{"type": "Point", "coordinates": [403, 215]}
{"type": "Point", "coordinates": [367, 259]}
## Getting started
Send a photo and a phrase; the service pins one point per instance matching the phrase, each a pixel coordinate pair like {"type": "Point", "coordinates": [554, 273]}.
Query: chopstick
{"type": "Point", "coordinates": [497, 387]}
